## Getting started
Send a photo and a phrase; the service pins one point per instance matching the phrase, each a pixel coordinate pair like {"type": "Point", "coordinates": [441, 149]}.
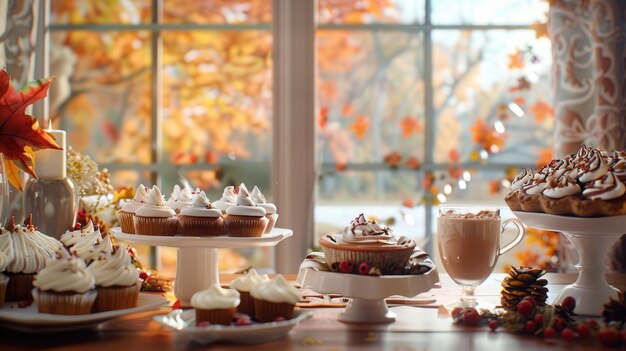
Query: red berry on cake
{"type": "Point", "coordinates": [363, 268]}
{"type": "Point", "coordinates": [346, 266]}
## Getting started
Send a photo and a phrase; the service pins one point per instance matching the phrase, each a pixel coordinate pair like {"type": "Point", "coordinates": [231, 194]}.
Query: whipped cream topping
{"type": "Point", "coordinates": [537, 185]}
{"type": "Point", "coordinates": [93, 246]}
{"type": "Point", "coordinates": [201, 207]}
{"type": "Point", "coordinates": [6, 249]}
{"type": "Point", "coordinates": [364, 232]}
{"type": "Point", "coordinates": [31, 249]}
{"type": "Point", "coordinates": [481, 214]}
{"type": "Point", "coordinates": [72, 237]}
{"type": "Point", "coordinates": [524, 177]}
{"type": "Point", "coordinates": [260, 201]}
{"type": "Point", "coordinates": [179, 198]}
{"type": "Point", "coordinates": [248, 281]}
{"type": "Point", "coordinates": [618, 167]}
{"type": "Point", "coordinates": [141, 197]}
{"type": "Point", "coordinates": [115, 269]}
{"type": "Point", "coordinates": [215, 298]}
{"type": "Point", "coordinates": [65, 274]}
{"type": "Point", "coordinates": [558, 189]}
{"type": "Point", "coordinates": [228, 199]}
{"type": "Point", "coordinates": [155, 206]}
{"type": "Point", "coordinates": [594, 168]}
{"type": "Point", "coordinates": [608, 187]}
{"type": "Point", "coordinates": [244, 206]}
{"type": "Point", "coordinates": [277, 290]}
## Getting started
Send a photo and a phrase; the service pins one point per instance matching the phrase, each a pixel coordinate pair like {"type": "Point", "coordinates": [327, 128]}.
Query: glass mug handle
{"type": "Point", "coordinates": [520, 234]}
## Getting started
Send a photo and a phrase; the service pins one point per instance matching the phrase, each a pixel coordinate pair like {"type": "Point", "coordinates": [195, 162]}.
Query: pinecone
{"type": "Point", "coordinates": [615, 309]}
{"type": "Point", "coordinates": [523, 282]}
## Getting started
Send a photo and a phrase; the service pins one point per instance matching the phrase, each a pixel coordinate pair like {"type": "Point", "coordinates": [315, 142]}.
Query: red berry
{"type": "Point", "coordinates": [530, 326]}
{"type": "Point", "coordinates": [471, 316]}
{"type": "Point", "coordinates": [558, 323]}
{"type": "Point", "coordinates": [583, 330]}
{"type": "Point", "coordinates": [569, 303]}
{"type": "Point", "coordinates": [204, 324]}
{"type": "Point", "coordinates": [143, 275]}
{"type": "Point", "coordinates": [531, 300]}
{"type": "Point", "coordinates": [524, 308]}
{"type": "Point", "coordinates": [609, 337]}
{"type": "Point", "coordinates": [549, 333]}
{"type": "Point", "coordinates": [363, 268]}
{"type": "Point", "coordinates": [493, 324]}
{"type": "Point", "coordinates": [346, 266]}
{"type": "Point", "coordinates": [538, 319]}
{"type": "Point", "coordinates": [243, 321]}
{"type": "Point", "coordinates": [77, 225]}
{"type": "Point", "coordinates": [623, 335]}
{"type": "Point", "coordinates": [456, 312]}
{"type": "Point", "coordinates": [567, 334]}
{"type": "Point", "coordinates": [592, 324]}
{"type": "Point", "coordinates": [279, 319]}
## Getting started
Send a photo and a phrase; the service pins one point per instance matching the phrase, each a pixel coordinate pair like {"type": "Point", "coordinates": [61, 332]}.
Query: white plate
{"type": "Point", "coordinates": [29, 320]}
{"type": "Point", "coordinates": [184, 323]}
{"type": "Point", "coordinates": [218, 242]}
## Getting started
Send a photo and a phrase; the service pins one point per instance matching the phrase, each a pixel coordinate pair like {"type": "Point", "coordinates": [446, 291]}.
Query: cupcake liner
{"type": "Point", "coordinates": [388, 262]}
{"type": "Point", "coordinates": [530, 203]}
{"type": "Point", "coordinates": [246, 303]}
{"type": "Point", "coordinates": [558, 207]}
{"type": "Point", "coordinates": [20, 287]}
{"type": "Point", "coordinates": [244, 226]}
{"type": "Point", "coordinates": [512, 201]}
{"type": "Point", "coordinates": [266, 311]}
{"type": "Point", "coordinates": [126, 221]}
{"type": "Point", "coordinates": [200, 226]}
{"type": "Point", "coordinates": [158, 226]}
{"type": "Point", "coordinates": [270, 225]}
{"type": "Point", "coordinates": [4, 282]}
{"type": "Point", "coordinates": [221, 316]}
{"type": "Point", "coordinates": [66, 303]}
{"type": "Point", "coordinates": [116, 297]}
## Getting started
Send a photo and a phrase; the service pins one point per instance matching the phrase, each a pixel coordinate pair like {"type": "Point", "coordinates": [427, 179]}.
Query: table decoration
{"type": "Point", "coordinates": [522, 282]}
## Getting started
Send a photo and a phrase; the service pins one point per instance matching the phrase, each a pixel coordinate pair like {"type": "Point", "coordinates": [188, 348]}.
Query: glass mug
{"type": "Point", "coordinates": [468, 239]}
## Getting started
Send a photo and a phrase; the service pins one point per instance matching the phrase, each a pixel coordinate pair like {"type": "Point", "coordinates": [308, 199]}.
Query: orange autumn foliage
{"type": "Point", "coordinates": [360, 126]}
{"type": "Point", "coordinates": [486, 136]}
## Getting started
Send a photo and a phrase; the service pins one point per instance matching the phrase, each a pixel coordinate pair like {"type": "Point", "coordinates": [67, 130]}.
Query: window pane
{"type": "Point", "coordinates": [102, 93]}
{"type": "Point", "coordinates": [100, 12]}
{"type": "Point", "coordinates": [364, 12]}
{"type": "Point", "coordinates": [217, 11]}
{"type": "Point", "coordinates": [488, 11]}
{"type": "Point", "coordinates": [488, 101]}
{"type": "Point", "coordinates": [129, 178]}
{"type": "Point", "coordinates": [370, 93]}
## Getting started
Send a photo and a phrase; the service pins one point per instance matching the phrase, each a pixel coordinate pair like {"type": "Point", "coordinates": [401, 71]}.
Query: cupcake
{"type": "Point", "coordinates": [270, 208]}
{"type": "Point", "coordinates": [31, 250]}
{"type": "Point", "coordinates": [215, 305]}
{"type": "Point", "coordinates": [228, 199]}
{"type": "Point", "coordinates": [154, 218]}
{"type": "Point", "coordinates": [368, 242]}
{"type": "Point", "coordinates": [244, 284]}
{"type": "Point", "coordinates": [65, 286]}
{"type": "Point", "coordinates": [93, 246]}
{"type": "Point", "coordinates": [179, 198]}
{"type": "Point", "coordinates": [5, 259]}
{"type": "Point", "coordinates": [117, 281]}
{"type": "Point", "coordinates": [127, 212]}
{"type": "Point", "coordinates": [274, 298]}
{"type": "Point", "coordinates": [73, 236]}
{"type": "Point", "coordinates": [200, 218]}
{"type": "Point", "coordinates": [244, 218]}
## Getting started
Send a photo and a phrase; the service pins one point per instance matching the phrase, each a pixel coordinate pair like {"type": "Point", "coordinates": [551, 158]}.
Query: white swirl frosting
{"type": "Point", "coordinates": [93, 247]}
{"type": "Point", "coordinates": [115, 269]}
{"type": "Point", "coordinates": [277, 290]}
{"type": "Point", "coordinates": [201, 207]}
{"type": "Point", "coordinates": [65, 274]}
{"type": "Point", "coordinates": [561, 188]}
{"type": "Point", "coordinates": [593, 168]}
{"type": "Point", "coordinates": [141, 196]}
{"type": "Point", "coordinates": [71, 238]}
{"type": "Point", "coordinates": [179, 198]}
{"type": "Point", "coordinates": [244, 206]}
{"type": "Point", "coordinates": [215, 298]}
{"type": "Point", "coordinates": [228, 199]}
{"type": "Point", "coordinates": [525, 176]}
{"type": "Point", "coordinates": [248, 281]}
{"type": "Point", "coordinates": [155, 206]}
{"type": "Point", "coordinates": [536, 186]}
{"type": "Point", "coordinates": [607, 188]}
{"type": "Point", "coordinates": [31, 249]}
{"type": "Point", "coordinates": [4, 261]}
{"type": "Point", "coordinates": [6, 249]}
{"type": "Point", "coordinates": [260, 201]}
{"type": "Point", "coordinates": [364, 232]}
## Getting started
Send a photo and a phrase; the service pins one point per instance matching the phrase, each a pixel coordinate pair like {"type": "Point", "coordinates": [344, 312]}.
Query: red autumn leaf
{"type": "Point", "coordinates": [393, 159]}
{"type": "Point", "coordinates": [347, 110]}
{"type": "Point", "coordinates": [541, 110]}
{"type": "Point", "coordinates": [516, 60]}
{"type": "Point", "coordinates": [323, 119]}
{"type": "Point", "coordinates": [455, 172]}
{"type": "Point", "coordinates": [495, 186]}
{"type": "Point", "coordinates": [413, 163]}
{"type": "Point", "coordinates": [18, 130]}
{"type": "Point", "coordinates": [360, 126]}
{"type": "Point", "coordinates": [211, 157]}
{"type": "Point", "coordinates": [410, 125]}
{"type": "Point", "coordinates": [341, 166]}
{"type": "Point", "coordinates": [454, 155]}
{"type": "Point", "coordinates": [408, 203]}
{"type": "Point", "coordinates": [541, 29]}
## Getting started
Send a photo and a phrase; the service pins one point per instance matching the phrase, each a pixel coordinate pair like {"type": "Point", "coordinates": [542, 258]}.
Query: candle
{"type": "Point", "coordinates": [50, 163]}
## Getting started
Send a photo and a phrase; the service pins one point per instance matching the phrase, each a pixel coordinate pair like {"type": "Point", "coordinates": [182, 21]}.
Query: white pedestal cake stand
{"type": "Point", "coordinates": [196, 266]}
{"type": "Point", "coordinates": [592, 238]}
{"type": "Point", "coordinates": [367, 293]}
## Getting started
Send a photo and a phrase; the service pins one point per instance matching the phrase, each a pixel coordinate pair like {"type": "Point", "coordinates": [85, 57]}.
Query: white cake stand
{"type": "Point", "coordinates": [592, 238]}
{"type": "Point", "coordinates": [196, 266]}
{"type": "Point", "coordinates": [367, 293]}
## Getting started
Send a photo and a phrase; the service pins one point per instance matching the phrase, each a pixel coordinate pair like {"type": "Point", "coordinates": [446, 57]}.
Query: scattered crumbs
{"type": "Point", "coordinates": [370, 337]}
{"type": "Point", "coordinates": [311, 341]}
{"type": "Point", "coordinates": [24, 304]}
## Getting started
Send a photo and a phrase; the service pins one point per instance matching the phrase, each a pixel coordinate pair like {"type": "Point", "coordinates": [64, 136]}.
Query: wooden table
{"type": "Point", "coordinates": [416, 328]}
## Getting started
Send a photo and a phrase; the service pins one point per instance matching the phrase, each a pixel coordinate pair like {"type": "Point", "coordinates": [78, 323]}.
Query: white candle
{"type": "Point", "coordinates": [51, 163]}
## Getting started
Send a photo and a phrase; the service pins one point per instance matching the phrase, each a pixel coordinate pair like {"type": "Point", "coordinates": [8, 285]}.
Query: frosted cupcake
{"type": "Point", "coordinates": [201, 218]}
{"type": "Point", "coordinates": [270, 208]}
{"type": "Point", "coordinates": [65, 286]}
{"type": "Point", "coordinates": [154, 217]}
{"type": "Point", "coordinates": [93, 246]}
{"type": "Point", "coordinates": [244, 218]}
{"type": "Point", "coordinates": [77, 234]}
{"type": "Point", "coordinates": [244, 284]}
{"type": "Point", "coordinates": [179, 198]}
{"type": "Point", "coordinates": [127, 212]}
{"type": "Point", "coordinates": [273, 299]}
{"type": "Point", "coordinates": [228, 199]}
{"type": "Point", "coordinates": [5, 259]}
{"type": "Point", "coordinates": [31, 250]}
{"type": "Point", "coordinates": [117, 281]}
{"type": "Point", "coordinates": [215, 305]}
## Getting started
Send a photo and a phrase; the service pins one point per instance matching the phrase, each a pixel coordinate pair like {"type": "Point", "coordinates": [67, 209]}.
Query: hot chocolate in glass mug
{"type": "Point", "coordinates": [468, 238]}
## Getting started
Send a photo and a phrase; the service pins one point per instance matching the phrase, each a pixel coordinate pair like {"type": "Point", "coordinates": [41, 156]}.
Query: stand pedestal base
{"type": "Point", "coordinates": [196, 269]}
{"type": "Point", "coordinates": [367, 311]}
